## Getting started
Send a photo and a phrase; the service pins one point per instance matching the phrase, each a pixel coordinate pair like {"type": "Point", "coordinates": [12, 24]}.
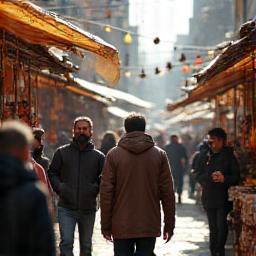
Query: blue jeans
{"type": "Point", "coordinates": [67, 223]}
{"type": "Point", "coordinates": [126, 247]}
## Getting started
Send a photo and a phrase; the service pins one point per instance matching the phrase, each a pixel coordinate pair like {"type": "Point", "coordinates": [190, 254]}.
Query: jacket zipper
{"type": "Point", "coordinates": [78, 181]}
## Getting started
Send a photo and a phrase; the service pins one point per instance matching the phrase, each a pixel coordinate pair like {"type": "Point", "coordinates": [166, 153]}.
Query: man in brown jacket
{"type": "Point", "coordinates": [136, 177]}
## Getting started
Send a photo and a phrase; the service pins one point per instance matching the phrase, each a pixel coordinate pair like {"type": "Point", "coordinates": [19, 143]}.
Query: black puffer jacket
{"type": "Point", "coordinates": [216, 194]}
{"type": "Point", "coordinates": [25, 225]}
{"type": "Point", "coordinates": [75, 176]}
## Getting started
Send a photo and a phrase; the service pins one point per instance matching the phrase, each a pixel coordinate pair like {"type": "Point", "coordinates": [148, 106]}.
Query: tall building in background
{"type": "Point", "coordinates": [211, 24]}
{"type": "Point", "coordinates": [244, 10]}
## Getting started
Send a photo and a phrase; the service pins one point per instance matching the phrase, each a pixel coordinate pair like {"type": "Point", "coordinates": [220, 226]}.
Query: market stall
{"type": "Point", "coordinates": [33, 43]}
{"type": "Point", "coordinates": [229, 83]}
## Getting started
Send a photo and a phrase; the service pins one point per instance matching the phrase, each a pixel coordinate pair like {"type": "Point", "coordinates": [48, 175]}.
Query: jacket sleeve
{"type": "Point", "coordinates": [101, 165]}
{"type": "Point", "coordinates": [200, 173]}
{"type": "Point", "coordinates": [107, 190]}
{"type": "Point", "coordinates": [233, 177]}
{"type": "Point", "coordinates": [39, 232]}
{"type": "Point", "coordinates": [167, 196]}
{"type": "Point", "coordinates": [54, 171]}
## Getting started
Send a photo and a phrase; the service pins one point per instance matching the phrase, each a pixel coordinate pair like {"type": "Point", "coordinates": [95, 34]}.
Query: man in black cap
{"type": "Point", "coordinates": [38, 147]}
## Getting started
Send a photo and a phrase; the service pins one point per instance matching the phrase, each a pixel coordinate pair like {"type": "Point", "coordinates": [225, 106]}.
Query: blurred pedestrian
{"type": "Point", "coordinates": [38, 147]}
{"type": "Point", "coordinates": [178, 160]}
{"type": "Point", "coordinates": [26, 228]}
{"type": "Point", "coordinates": [135, 179]}
{"type": "Point", "coordinates": [75, 175]}
{"type": "Point", "coordinates": [202, 147]}
{"type": "Point", "coordinates": [216, 170]}
{"type": "Point", "coordinates": [109, 141]}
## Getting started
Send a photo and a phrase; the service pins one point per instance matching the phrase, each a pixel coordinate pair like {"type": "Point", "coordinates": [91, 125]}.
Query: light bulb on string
{"type": "Point", "coordinates": [107, 29]}
{"type": "Point", "coordinates": [127, 39]}
{"type": "Point", "coordinates": [186, 68]}
{"type": "Point", "coordinates": [142, 74]}
{"type": "Point", "coordinates": [127, 73]}
{"type": "Point", "coordinates": [182, 57]}
{"type": "Point", "coordinates": [168, 66]}
{"type": "Point", "coordinates": [198, 60]}
{"type": "Point", "coordinates": [156, 40]}
{"type": "Point", "coordinates": [157, 71]}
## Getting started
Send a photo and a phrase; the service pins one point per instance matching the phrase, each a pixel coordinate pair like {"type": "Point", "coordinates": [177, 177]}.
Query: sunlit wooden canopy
{"type": "Point", "coordinates": [41, 27]}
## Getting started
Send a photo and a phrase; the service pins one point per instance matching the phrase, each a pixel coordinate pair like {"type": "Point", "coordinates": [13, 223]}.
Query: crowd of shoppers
{"type": "Point", "coordinates": [131, 175]}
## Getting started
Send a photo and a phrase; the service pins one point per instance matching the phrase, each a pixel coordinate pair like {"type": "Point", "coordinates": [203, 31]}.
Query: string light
{"type": "Point", "coordinates": [157, 71]}
{"type": "Point", "coordinates": [156, 40]}
{"type": "Point", "coordinates": [169, 66]}
{"type": "Point", "coordinates": [127, 39]}
{"type": "Point", "coordinates": [182, 57]}
{"type": "Point", "coordinates": [127, 73]}
{"type": "Point", "coordinates": [107, 29]}
{"type": "Point", "coordinates": [176, 47]}
{"type": "Point", "coordinates": [142, 74]}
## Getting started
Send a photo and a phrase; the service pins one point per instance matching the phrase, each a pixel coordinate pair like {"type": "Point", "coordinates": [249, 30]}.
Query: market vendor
{"type": "Point", "coordinates": [216, 170]}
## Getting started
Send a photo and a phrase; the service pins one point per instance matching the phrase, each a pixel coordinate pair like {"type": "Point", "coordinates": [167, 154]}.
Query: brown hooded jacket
{"type": "Point", "coordinates": [136, 178]}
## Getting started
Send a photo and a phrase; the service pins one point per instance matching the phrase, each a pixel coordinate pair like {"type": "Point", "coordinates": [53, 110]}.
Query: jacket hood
{"type": "Point", "coordinates": [12, 174]}
{"type": "Point", "coordinates": [136, 142]}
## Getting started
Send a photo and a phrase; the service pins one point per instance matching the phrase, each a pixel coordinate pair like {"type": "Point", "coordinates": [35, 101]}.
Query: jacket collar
{"type": "Point", "coordinates": [89, 146]}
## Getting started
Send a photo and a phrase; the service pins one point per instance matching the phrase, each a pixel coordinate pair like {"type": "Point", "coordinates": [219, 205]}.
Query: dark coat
{"type": "Point", "coordinates": [215, 195]}
{"type": "Point", "coordinates": [176, 152]}
{"type": "Point", "coordinates": [75, 176]}
{"type": "Point", "coordinates": [25, 225]}
{"type": "Point", "coordinates": [135, 179]}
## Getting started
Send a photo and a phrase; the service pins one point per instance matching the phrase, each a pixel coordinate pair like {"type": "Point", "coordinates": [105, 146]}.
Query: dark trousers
{"type": "Point", "coordinates": [67, 223]}
{"type": "Point", "coordinates": [134, 246]}
{"type": "Point", "coordinates": [217, 219]}
{"type": "Point", "coordinates": [178, 183]}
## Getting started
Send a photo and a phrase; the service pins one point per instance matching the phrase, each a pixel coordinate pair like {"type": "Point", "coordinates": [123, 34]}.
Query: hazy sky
{"type": "Point", "coordinates": [159, 18]}
{"type": "Point", "coordinates": [163, 18]}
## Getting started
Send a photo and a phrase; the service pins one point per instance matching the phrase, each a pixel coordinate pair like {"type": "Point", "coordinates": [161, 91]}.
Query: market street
{"type": "Point", "coordinates": [190, 235]}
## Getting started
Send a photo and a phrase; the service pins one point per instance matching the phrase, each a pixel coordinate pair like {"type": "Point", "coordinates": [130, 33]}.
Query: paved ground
{"type": "Point", "coordinates": [190, 236]}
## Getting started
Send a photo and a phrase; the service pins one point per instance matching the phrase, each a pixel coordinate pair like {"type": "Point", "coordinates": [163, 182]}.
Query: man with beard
{"type": "Point", "coordinates": [38, 148]}
{"type": "Point", "coordinates": [75, 175]}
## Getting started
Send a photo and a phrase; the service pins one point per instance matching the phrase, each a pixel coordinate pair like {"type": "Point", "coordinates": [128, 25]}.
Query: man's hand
{"type": "Point", "coordinates": [167, 236]}
{"type": "Point", "coordinates": [108, 237]}
{"type": "Point", "coordinates": [218, 177]}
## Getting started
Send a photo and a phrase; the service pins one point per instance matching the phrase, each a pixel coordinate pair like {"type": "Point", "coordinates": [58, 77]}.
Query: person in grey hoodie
{"type": "Point", "coordinates": [136, 179]}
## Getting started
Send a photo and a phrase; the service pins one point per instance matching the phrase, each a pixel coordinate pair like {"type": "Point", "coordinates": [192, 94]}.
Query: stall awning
{"type": "Point", "coordinates": [218, 84]}
{"type": "Point", "coordinates": [230, 57]}
{"type": "Point", "coordinates": [118, 112]}
{"type": "Point", "coordinates": [113, 93]}
{"type": "Point", "coordinates": [41, 27]}
{"type": "Point", "coordinates": [197, 110]}
{"type": "Point", "coordinates": [233, 66]}
{"type": "Point", "coordinates": [42, 79]}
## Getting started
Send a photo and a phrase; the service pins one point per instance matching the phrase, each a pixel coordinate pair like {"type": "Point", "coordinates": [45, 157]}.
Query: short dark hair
{"type": "Point", "coordinates": [38, 133]}
{"type": "Point", "coordinates": [83, 118]}
{"type": "Point", "coordinates": [135, 122]}
{"type": "Point", "coordinates": [174, 136]}
{"type": "Point", "coordinates": [218, 132]}
{"type": "Point", "coordinates": [14, 135]}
